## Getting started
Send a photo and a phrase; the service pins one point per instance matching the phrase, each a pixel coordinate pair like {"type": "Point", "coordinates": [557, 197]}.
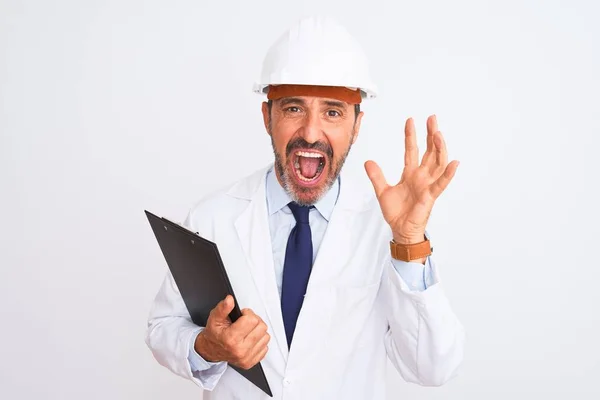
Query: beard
{"type": "Point", "coordinates": [302, 195]}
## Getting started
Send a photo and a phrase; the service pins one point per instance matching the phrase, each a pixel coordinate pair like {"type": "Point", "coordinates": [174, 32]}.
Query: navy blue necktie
{"type": "Point", "coordinates": [296, 269]}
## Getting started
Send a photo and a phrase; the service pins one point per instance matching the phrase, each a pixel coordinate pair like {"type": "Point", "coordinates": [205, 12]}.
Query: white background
{"type": "Point", "coordinates": [109, 108]}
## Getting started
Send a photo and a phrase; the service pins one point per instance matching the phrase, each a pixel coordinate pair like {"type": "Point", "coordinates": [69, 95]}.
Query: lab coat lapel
{"type": "Point", "coordinates": [253, 230]}
{"type": "Point", "coordinates": [336, 248]}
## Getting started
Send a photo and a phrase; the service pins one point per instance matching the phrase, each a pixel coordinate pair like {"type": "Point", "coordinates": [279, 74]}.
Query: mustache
{"type": "Point", "coordinates": [300, 143]}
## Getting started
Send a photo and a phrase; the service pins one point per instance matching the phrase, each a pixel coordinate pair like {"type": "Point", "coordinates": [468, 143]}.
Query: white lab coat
{"type": "Point", "coordinates": [356, 311]}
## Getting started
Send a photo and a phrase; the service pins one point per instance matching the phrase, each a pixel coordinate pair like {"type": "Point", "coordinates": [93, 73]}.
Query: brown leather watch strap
{"type": "Point", "coordinates": [410, 252]}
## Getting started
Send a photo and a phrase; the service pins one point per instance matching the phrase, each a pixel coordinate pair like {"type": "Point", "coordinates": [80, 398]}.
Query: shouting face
{"type": "Point", "coordinates": [311, 137]}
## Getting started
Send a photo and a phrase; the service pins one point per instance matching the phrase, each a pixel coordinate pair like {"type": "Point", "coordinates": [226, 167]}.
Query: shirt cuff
{"type": "Point", "coordinates": [202, 369]}
{"type": "Point", "coordinates": [418, 277]}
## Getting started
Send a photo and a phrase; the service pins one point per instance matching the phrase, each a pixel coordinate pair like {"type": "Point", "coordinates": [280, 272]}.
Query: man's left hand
{"type": "Point", "coordinates": [407, 205]}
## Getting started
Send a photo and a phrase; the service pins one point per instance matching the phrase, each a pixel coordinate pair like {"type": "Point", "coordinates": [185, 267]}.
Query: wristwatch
{"type": "Point", "coordinates": [410, 252]}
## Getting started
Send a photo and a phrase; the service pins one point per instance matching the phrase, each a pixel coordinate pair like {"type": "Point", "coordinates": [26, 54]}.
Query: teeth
{"type": "Point", "coordinates": [302, 178]}
{"type": "Point", "coordinates": [309, 154]}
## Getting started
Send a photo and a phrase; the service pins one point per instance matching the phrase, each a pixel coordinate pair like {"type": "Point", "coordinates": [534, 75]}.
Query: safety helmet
{"type": "Point", "coordinates": [317, 51]}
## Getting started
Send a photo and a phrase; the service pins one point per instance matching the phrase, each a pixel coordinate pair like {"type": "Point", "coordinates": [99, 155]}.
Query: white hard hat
{"type": "Point", "coordinates": [317, 51]}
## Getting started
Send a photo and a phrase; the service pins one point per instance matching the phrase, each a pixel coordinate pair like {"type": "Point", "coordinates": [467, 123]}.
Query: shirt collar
{"type": "Point", "coordinates": [277, 197]}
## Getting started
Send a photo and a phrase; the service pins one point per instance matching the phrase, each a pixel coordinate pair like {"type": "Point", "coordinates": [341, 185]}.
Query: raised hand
{"type": "Point", "coordinates": [243, 343]}
{"type": "Point", "coordinates": [407, 205]}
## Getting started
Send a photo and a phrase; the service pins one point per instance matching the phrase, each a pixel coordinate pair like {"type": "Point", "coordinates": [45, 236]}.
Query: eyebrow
{"type": "Point", "coordinates": [296, 100]}
{"type": "Point", "coordinates": [289, 100]}
{"type": "Point", "coordinates": [332, 103]}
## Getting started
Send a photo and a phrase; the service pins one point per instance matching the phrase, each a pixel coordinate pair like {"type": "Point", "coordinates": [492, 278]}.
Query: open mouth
{"type": "Point", "coordinates": [308, 166]}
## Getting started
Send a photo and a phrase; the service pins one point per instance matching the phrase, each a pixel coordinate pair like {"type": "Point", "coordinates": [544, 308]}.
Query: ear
{"type": "Point", "coordinates": [357, 126]}
{"type": "Point", "coordinates": [266, 116]}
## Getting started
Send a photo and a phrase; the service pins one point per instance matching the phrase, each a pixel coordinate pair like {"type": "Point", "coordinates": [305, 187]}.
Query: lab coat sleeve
{"type": "Point", "coordinates": [171, 335]}
{"type": "Point", "coordinates": [425, 339]}
{"type": "Point", "coordinates": [417, 276]}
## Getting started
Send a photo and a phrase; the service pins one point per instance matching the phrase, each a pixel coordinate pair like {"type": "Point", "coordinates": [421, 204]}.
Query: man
{"type": "Point", "coordinates": [335, 281]}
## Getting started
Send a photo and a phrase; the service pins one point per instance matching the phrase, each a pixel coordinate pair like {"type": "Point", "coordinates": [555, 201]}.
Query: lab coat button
{"type": "Point", "coordinates": [286, 382]}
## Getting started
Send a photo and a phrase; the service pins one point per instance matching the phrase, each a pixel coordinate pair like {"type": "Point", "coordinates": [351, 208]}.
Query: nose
{"type": "Point", "coordinates": [311, 129]}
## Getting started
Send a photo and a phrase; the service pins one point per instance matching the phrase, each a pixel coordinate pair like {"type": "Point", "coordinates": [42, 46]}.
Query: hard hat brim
{"type": "Point", "coordinates": [263, 89]}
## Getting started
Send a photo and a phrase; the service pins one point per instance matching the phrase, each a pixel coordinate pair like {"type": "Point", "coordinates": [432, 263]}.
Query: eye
{"type": "Point", "coordinates": [333, 113]}
{"type": "Point", "coordinates": [293, 109]}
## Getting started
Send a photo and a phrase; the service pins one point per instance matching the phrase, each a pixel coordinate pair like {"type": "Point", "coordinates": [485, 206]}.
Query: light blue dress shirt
{"type": "Point", "coordinates": [281, 222]}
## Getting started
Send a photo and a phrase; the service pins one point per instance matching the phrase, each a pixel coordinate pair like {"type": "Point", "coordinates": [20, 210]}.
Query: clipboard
{"type": "Point", "coordinates": [200, 275]}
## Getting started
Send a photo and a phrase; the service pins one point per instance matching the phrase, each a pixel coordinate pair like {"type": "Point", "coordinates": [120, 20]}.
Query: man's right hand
{"type": "Point", "coordinates": [243, 343]}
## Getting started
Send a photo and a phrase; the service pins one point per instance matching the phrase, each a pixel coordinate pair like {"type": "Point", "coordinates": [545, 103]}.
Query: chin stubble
{"type": "Point", "coordinates": [294, 191]}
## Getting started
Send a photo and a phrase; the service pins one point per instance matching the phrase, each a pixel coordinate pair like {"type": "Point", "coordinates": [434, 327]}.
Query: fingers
{"type": "Point", "coordinates": [257, 353]}
{"type": "Point", "coordinates": [242, 343]}
{"type": "Point", "coordinates": [411, 150]}
{"type": "Point", "coordinates": [261, 355]}
{"type": "Point", "coordinates": [435, 158]}
{"type": "Point", "coordinates": [442, 182]}
{"type": "Point", "coordinates": [244, 324]}
{"type": "Point", "coordinates": [432, 127]}
{"type": "Point", "coordinates": [253, 347]}
{"type": "Point", "coordinates": [220, 313]}
{"type": "Point", "coordinates": [441, 154]}
{"type": "Point", "coordinates": [255, 358]}
{"type": "Point", "coordinates": [261, 343]}
{"type": "Point", "coordinates": [256, 334]}
{"type": "Point", "coordinates": [376, 177]}
{"type": "Point", "coordinates": [261, 352]}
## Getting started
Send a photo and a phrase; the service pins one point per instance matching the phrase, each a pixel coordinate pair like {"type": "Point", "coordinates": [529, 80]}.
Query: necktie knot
{"type": "Point", "coordinates": [300, 212]}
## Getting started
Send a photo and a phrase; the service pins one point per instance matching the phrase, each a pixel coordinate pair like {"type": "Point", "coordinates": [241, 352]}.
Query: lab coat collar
{"type": "Point", "coordinates": [350, 196]}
